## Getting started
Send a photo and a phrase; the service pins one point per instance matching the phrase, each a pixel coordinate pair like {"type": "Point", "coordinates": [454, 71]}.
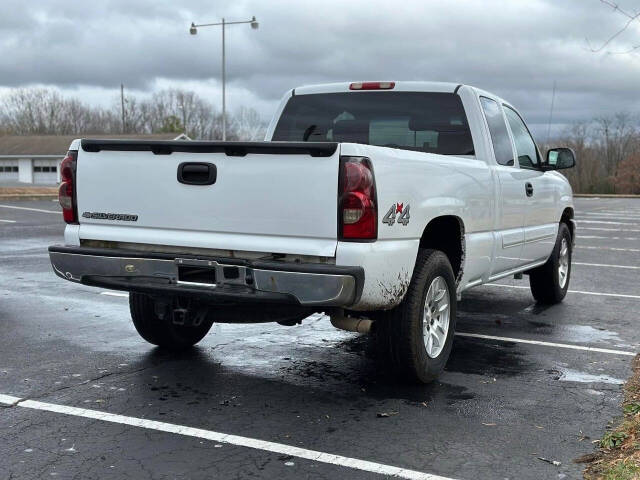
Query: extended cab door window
{"type": "Point", "coordinates": [526, 150]}
{"type": "Point", "coordinates": [502, 147]}
{"type": "Point", "coordinates": [510, 206]}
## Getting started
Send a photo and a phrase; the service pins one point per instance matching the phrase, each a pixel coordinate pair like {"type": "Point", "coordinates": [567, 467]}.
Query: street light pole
{"type": "Point", "coordinates": [224, 94]}
{"type": "Point", "coordinates": [194, 30]}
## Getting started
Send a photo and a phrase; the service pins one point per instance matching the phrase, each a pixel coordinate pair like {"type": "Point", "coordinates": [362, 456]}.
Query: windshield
{"type": "Point", "coordinates": [426, 122]}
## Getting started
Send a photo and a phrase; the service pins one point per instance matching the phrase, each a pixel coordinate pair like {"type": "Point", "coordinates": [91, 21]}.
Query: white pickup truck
{"type": "Point", "coordinates": [377, 203]}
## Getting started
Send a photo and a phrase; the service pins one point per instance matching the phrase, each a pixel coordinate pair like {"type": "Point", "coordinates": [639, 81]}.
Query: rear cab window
{"type": "Point", "coordinates": [419, 121]}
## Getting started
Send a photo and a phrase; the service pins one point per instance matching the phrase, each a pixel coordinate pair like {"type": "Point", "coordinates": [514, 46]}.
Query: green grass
{"type": "Point", "coordinates": [613, 439]}
{"type": "Point", "coordinates": [625, 470]}
{"type": "Point", "coordinates": [632, 408]}
{"type": "Point", "coordinates": [619, 457]}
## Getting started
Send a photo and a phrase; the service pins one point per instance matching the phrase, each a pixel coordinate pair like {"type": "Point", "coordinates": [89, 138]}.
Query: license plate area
{"type": "Point", "coordinates": [199, 275]}
{"type": "Point", "coordinates": [209, 273]}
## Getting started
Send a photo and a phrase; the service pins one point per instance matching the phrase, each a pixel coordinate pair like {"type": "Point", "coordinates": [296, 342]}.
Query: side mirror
{"type": "Point", "coordinates": [559, 158]}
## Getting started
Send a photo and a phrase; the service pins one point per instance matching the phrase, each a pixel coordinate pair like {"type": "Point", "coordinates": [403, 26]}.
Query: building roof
{"type": "Point", "coordinates": [32, 145]}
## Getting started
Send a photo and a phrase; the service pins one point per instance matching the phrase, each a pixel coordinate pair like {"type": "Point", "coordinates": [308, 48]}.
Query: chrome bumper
{"type": "Point", "coordinates": [308, 285]}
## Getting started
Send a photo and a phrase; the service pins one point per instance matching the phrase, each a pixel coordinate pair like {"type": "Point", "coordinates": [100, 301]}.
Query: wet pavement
{"type": "Point", "coordinates": [500, 405]}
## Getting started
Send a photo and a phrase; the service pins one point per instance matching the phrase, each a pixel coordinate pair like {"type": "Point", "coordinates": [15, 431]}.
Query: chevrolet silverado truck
{"type": "Point", "coordinates": [377, 203]}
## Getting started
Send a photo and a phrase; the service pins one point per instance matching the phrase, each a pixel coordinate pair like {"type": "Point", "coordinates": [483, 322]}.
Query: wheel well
{"type": "Point", "coordinates": [447, 235]}
{"type": "Point", "coordinates": [567, 216]}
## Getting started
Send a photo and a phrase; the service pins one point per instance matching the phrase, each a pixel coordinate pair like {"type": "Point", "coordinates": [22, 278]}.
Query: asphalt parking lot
{"type": "Point", "coordinates": [524, 382]}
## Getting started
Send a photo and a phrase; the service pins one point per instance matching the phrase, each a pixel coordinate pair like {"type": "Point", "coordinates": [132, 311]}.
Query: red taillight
{"type": "Point", "coordinates": [372, 85]}
{"type": "Point", "coordinates": [357, 211]}
{"type": "Point", "coordinates": [67, 189]}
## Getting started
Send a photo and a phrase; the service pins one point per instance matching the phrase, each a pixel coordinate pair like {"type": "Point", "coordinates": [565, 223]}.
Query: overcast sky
{"type": "Point", "coordinates": [513, 48]}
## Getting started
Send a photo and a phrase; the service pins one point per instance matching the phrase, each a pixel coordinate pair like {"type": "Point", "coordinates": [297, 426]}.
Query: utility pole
{"type": "Point", "coordinates": [122, 105]}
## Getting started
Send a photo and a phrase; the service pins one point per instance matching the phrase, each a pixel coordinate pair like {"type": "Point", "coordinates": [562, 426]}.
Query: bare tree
{"type": "Point", "coordinates": [601, 147]}
{"type": "Point", "coordinates": [617, 136]}
{"type": "Point", "coordinates": [628, 175]}
{"type": "Point", "coordinates": [247, 125]}
{"type": "Point", "coordinates": [46, 112]}
{"type": "Point", "coordinates": [631, 17]}
{"type": "Point", "coordinates": [36, 111]}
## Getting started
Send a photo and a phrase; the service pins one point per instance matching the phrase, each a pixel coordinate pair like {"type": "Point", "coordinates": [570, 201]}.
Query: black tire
{"type": "Point", "coordinates": [545, 280]}
{"type": "Point", "coordinates": [157, 326]}
{"type": "Point", "coordinates": [399, 331]}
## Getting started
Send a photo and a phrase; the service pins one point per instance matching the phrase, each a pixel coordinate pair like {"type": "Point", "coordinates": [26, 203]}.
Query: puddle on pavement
{"type": "Point", "coordinates": [484, 358]}
{"type": "Point", "coordinates": [567, 375]}
{"type": "Point", "coordinates": [541, 327]}
{"type": "Point", "coordinates": [586, 334]}
{"type": "Point", "coordinates": [536, 309]}
{"type": "Point", "coordinates": [476, 318]}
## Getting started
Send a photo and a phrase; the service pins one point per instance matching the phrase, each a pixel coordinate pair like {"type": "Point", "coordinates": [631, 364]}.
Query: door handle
{"type": "Point", "coordinates": [528, 188]}
{"type": "Point", "coordinates": [197, 173]}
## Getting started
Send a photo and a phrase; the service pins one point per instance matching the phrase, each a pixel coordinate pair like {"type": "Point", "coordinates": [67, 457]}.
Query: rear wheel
{"type": "Point", "coordinates": [174, 324]}
{"type": "Point", "coordinates": [550, 282]}
{"type": "Point", "coordinates": [418, 334]}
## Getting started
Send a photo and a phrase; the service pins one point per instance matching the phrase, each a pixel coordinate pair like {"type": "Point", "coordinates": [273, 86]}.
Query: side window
{"type": "Point", "coordinates": [525, 146]}
{"type": "Point", "coordinates": [498, 130]}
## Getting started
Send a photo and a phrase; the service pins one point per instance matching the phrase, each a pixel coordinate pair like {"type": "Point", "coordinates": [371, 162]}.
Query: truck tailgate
{"type": "Point", "coordinates": [267, 197]}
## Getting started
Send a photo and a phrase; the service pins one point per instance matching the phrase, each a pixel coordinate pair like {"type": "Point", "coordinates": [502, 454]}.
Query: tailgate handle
{"type": "Point", "coordinates": [197, 173]}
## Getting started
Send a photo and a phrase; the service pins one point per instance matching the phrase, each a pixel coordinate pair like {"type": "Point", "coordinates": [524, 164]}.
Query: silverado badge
{"type": "Point", "coordinates": [124, 217]}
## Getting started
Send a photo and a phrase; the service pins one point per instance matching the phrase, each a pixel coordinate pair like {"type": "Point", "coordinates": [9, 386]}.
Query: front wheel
{"type": "Point", "coordinates": [418, 334]}
{"type": "Point", "coordinates": [550, 282]}
{"type": "Point", "coordinates": [176, 324]}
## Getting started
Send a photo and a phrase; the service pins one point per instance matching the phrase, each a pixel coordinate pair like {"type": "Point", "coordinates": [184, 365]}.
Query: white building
{"type": "Point", "coordinates": [36, 159]}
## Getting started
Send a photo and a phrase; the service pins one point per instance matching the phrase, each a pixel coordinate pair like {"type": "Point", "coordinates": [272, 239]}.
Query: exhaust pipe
{"type": "Point", "coordinates": [358, 325]}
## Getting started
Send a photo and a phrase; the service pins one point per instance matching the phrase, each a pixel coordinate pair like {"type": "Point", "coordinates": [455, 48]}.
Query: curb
{"type": "Point", "coordinates": [28, 196]}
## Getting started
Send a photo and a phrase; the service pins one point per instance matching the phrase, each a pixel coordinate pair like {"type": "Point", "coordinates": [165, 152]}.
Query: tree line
{"type": "Point", "coordinates": [607, 148]}
{"type": "Point", "coordinates": [607, 155]}
{"type": "Point", "coordinates": [43, 111]}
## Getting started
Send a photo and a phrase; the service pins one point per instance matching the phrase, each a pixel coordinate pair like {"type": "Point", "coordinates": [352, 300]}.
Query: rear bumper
{"type": "Point", "coordinates": [236, 280]}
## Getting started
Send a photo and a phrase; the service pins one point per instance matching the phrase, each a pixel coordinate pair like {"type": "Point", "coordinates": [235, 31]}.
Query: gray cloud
{"type": "Point", "coordinates": [515, 49]}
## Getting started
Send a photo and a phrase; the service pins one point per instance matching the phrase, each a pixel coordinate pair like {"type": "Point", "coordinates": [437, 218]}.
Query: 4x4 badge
{"type": "Point", "coordinates": [397, 208]}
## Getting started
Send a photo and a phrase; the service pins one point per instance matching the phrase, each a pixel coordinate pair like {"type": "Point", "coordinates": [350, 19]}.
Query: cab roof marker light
{"type": "Point", "coordinates": [372, 85]}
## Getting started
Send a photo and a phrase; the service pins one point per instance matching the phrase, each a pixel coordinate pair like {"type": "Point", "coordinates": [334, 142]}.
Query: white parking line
{"type": "Point", "coordinates": [31, 209]}
{"type": "Point", "coordinates": [606, 222]}
{"type": "Point", "coordinates": [630, 267]}
{"type": "Point", "coordinates": [608, 219]}
{"type": "Point", "coordinates": [115, 294]}
{"type": "Point", "coordinates": [633, 213]}
{"type": "Point", "coordinates": [546, 344]}
{"type": "Point", "coordinates": [279, 448]}
{"type": "Point", "coordinates": [632, 216]}
{"type": "Point", "coordinates": [600, 294]}
{"type": "Point", "coordinates": [8, 221]}
{"type": "Point", "coordinates": [590, 247]}
{"type": "Point", "coordinates": [598, 237]}
{"type": "Point", "coordinates": [602, 229]}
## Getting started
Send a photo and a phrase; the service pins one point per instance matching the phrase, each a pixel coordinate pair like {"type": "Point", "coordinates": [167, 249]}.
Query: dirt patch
{"type": "Point", "coordinates": [28, 190]}
{"type": "Point", "coordinates": [619, 455]}
{"type": "Point", "coordinates": [393, 293]}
